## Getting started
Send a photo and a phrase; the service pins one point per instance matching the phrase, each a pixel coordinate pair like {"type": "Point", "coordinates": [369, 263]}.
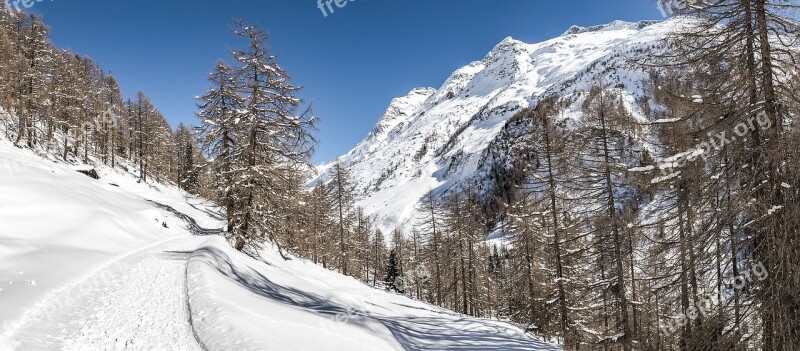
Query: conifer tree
{"type": "Point", "coordinates": [394, 278]}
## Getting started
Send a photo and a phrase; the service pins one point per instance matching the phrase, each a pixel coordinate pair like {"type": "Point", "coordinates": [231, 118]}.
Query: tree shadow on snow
{"type": "Point", "coordinates": [413, 333]}
{"type": "Point", "coordinates": [441, 333]}
{"type": "Point", "coordinates": [191, 222]}
{"type": "Point", "coordinates": [215, 215]}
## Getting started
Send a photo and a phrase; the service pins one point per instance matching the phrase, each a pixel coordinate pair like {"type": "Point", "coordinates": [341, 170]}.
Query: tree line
{"type": "Point", "coordinates": [673, 233]}
{"type": "Point", "coordinates": [676, 232]}
{"type": "Point", "coordinates": [63, 104]}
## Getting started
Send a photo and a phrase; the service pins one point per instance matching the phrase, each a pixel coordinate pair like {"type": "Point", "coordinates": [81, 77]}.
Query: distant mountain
{"type": "Point", "coordinates": [438, 139]}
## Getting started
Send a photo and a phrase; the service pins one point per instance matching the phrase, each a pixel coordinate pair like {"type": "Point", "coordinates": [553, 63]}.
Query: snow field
{"type": "Point", "coordinates": [62, 236]}
{"type": "Point", "coordinates": [88, 265]}
{"type": "Point", "coordinates": [239, 303]}
{"type": "Point", "coordinates": [135, 303]}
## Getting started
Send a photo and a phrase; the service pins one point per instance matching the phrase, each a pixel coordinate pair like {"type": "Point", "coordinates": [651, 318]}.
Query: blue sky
{"type": "Point", "coordinates": [351, 63]}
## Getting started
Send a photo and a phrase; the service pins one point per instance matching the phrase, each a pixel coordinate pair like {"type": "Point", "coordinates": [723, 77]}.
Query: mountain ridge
{"type": "Point", "coordinates": [442, 143]}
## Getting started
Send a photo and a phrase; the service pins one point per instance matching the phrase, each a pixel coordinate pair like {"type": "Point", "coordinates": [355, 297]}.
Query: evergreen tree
{"type": "Point", "coordinates": [378, 256]}
{"type": "Point", "coordinates": [394, 279]}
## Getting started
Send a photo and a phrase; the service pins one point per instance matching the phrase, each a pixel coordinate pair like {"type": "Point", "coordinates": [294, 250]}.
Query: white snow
{"type": "Point", "coordinates": [60, 229]}
{"type": "Point", "coordinates": [87, 265]}
{"type": "Point", "coordinates": [665, 120]}
{"type": "Point", "coordinates": [642, 169]}
{"type": "Point", "coordinates": [240, 303]}
{"type": "Point", "coordinates": [137, 303]}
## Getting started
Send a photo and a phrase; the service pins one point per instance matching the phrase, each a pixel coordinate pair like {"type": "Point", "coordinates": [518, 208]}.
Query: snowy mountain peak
{"type": "Point", "coordinates": [422, 91]}
{"type": "Point", "coordinates": [399, 110]}
{"type": "Point", "coordinates": [508, 42]}
{"type": "Point", "coordinates": [506, 46]}
{"type": "Point", "coordinates": [440, 139]}
{"type": "Point", "coordinates": [614, 25]}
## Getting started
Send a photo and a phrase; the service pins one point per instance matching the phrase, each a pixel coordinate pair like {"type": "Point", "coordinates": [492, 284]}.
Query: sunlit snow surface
{"type": "Point", "coordinates": [65, 242]}
{"type": "Point", "coordinates": [87, 265]}
{"type": "Point", "coordinates": [240, 303]}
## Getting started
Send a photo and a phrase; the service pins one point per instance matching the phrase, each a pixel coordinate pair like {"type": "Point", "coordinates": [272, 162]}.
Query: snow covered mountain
{"type": "Point", "coordinates": [437, 139]}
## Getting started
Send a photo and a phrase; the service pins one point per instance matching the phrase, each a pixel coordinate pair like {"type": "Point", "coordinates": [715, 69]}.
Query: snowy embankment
{"type": "Point", "coordinates": [65, 239]}
{"type": "Point", "coordinates": [239, 303]}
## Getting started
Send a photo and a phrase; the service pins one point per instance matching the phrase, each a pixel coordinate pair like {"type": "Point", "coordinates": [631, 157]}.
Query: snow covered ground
{"type": "Point", "coordinates": [68, 242]}
{"type": "Point", "coordinates": [135, 303]}
{"type": "Point", "coordinates": [113, 264]}
{"type": "Point", "coordinates": [239, 303]}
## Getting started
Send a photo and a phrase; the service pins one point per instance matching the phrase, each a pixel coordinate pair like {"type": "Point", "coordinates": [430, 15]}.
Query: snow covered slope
{"type": "Point", "coordinates": [113, 264]}
{"type": "Point", "coordinates": [238, 303]}
{"type": "Point", "coordinates": [59, 230]}
{"type": "Point", "coordinates": [56, 223]}
{"type": "Point", "coordinates": [438, 143]}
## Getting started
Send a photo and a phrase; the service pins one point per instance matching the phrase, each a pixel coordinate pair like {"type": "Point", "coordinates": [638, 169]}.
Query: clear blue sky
{"type": "Point", "coordinates": [351, 63]}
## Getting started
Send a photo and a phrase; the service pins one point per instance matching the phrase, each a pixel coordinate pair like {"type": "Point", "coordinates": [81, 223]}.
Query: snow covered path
{"type": "Point", "coordinates": [138, 302]}
{"type": "Point", "coordinates": [91, 265]}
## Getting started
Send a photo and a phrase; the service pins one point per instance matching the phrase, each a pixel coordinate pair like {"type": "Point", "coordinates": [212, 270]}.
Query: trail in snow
{"type": "Point", "coordinates": [58, 294]}
{"type": "Point", "coordinates": [136, 303]}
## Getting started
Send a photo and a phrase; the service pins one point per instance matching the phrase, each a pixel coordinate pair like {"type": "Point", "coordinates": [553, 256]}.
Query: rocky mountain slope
{"type": "Point", "coordinates": [438, 139]}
